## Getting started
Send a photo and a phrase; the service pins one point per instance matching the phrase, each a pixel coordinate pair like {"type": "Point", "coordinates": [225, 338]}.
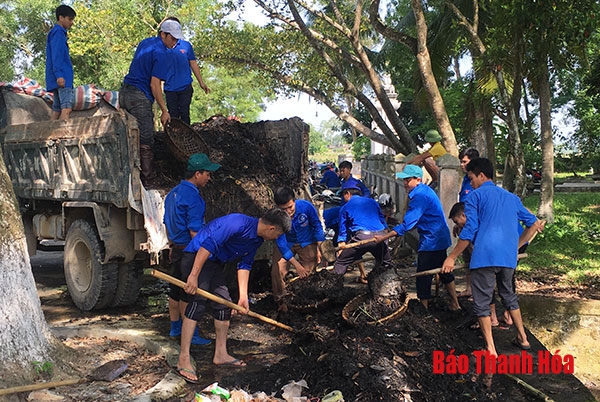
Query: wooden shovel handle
{"type": "Point", "coordinates": [356, 244]}
{"type": "Point", "coordinates": [458, 266]}
{"type": "Point", "coordinates": [208, 295]}
{"type": "Point", "coordinates": [42, 385]}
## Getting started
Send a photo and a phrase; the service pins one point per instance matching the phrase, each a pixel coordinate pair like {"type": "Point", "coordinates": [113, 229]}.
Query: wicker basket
{"type": "Point", "coordinates": [183, 141]}
{"type": "Point", "coordinates": [354, 304]}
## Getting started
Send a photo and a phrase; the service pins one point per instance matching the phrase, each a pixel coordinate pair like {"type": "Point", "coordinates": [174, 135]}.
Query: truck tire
{"type": "Point", "coordinates": [91, 284]}
{"type": "Point", "coordinates": [129, 284]}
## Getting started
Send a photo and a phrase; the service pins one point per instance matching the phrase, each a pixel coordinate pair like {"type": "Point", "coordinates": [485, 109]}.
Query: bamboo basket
{"type": "Point", "coordinates": [354, 304]}
{"type": "Point", "coordinates": [183, 141]}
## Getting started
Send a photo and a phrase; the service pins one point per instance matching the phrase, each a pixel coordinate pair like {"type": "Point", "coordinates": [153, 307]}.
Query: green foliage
{"type": "Point", "coordinates": [316, 142]}
{"type": "Point", "coordinates": [566, 251]}
{"type": "Point", "coordinates": [44, 369]}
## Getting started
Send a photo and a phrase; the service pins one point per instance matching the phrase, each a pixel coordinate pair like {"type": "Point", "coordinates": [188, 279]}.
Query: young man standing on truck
{"type": "Point", "coordinates": [230, 238]}
{"type": "Point", "coordinates": [302, 240]}
{"type": "Point", "coordinates": [59, 69]}
{"type": "Point", "coordinates": [142, 85]}
{"type": "Point", "coordinates": [184, 217]}
{"type": "Point", "coordinates": [178, 85]}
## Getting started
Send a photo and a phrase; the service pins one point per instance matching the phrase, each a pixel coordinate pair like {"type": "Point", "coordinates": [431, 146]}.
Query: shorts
{"type": "Point", "coordinates": [63, 99]}
{"type": "Point", "coordinates": [212, 279]}
{"type": "Point", "coordinates": [483, 281]}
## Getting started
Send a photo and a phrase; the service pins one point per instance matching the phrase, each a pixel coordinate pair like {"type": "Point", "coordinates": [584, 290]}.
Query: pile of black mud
{"type": "Point", "coordinates": [255, 159]}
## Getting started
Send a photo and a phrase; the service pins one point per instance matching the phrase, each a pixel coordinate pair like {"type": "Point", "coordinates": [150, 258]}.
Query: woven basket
{"type": "Point", "coordinates": [355, 303]}
{"type": "Point", "coordinates": [183, 141]}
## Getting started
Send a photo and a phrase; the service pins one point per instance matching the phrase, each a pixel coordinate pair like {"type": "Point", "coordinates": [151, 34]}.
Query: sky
{"type": "Point", "coordinates": [302, 106]}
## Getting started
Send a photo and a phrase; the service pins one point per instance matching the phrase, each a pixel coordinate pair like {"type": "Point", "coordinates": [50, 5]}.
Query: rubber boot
{"type": "Point", "coordinates": [198, 340]}
{"type": "Point", "coordinates": [146, 159]}
{"type": "Point", "coordinates": [175, 329]}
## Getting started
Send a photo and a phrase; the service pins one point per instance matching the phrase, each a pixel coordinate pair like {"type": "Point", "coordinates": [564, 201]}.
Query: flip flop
{"type": "Point", "coordinates": [232, 363]}
{"type": "Point", "coordinates": [180, 370]}
{"type": "Point", "coordinates": [361, 280]}
{"type": "Point", "coordinates": [516, 342]}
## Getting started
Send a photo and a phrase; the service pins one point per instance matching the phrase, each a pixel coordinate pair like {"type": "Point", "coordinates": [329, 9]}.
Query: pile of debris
{"type": "Point", "coordinates": [255, 159]}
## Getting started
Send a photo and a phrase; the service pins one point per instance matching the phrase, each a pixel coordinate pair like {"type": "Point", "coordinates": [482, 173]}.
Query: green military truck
{"type": "Point", "coordinates": [78, 184]}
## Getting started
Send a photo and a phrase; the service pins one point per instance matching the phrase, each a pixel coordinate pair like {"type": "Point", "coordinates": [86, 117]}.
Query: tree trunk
{"type": "Point", "coordinates": [546, 209]}
{"type": "Point", "coordinates": [24, 334]}
{"type": "Point", "coordinates": [433, 93]}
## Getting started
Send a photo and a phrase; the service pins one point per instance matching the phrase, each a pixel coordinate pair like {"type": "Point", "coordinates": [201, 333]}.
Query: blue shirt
{"type": "Point", "coordinates": [184, 212]}
{"type": "Point", "coordinates": [179, 76]}
{"type": "Point", "coordinates": [364, 189]}
{"type": "Point", "coordinates": [331, 216]}
{"type": "Point", "coordinates": [491, 215]}
{"type": "Point", "coordinates": [330, 179]}
{"type": "Point", "coordinates": [58, 61]}
{"type": "Point", "coordinates": [306, 229]}
{"type": "Point", "coordinates": [229, 238]}
{"type": "Point", "coordinates": [360, 213]}
{"type": "Point", "coordinates": [150, 60]}
{"type": "Point", "coordinates": [426, 213]}
{"type": "Point", "coordinates": [465, 189]}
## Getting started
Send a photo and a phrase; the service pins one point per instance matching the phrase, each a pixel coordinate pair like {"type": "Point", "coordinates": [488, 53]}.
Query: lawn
{"type": "Point", "coordinates": [568, 251]}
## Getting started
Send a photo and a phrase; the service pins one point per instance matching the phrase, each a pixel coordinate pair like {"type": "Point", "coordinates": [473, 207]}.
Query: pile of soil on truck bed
{"type": "Point", "coordinates": [255, 159]}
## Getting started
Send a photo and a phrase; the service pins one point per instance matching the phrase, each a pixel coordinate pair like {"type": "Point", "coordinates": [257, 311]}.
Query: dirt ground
{"type": "Point", "coordinates": [385, 362]}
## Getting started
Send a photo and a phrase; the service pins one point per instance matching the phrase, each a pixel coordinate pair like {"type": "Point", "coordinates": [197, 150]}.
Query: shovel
{"type": "Point", "coordinates": [106, 372]}
{"type": "Point", "coordinates": [210, 296]}
{"type": "Point", "coordinates": [356, 244]}
{"type": "Point", "coordinates": [438, 270]}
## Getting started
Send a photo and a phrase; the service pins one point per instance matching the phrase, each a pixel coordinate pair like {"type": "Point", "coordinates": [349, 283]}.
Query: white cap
{"type": "Point", "coordinates": [173, 28]}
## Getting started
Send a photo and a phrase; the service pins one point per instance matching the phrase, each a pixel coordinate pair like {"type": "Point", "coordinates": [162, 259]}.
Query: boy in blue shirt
{"type": "Point", "coordinates": [143, 84]}
{"type": "Point", "coordinates": [184, 217]}
{"type": "Point", "coordinates": [59, 69]}
{"type": "Point", "coordinates": [491, 214]}
{"type": "Point", "coordinates": [230, 238]}
{"type": "Point", "coordinates": [178, 85]}
{"type": "Point", "coordinates": [426, 214]}
{"type": "Point", "coordinates": [360, 219]}
{"type": "Point", "coordinates": [346, 177]}
{"type": "Point", "coordinates": [302, 240]}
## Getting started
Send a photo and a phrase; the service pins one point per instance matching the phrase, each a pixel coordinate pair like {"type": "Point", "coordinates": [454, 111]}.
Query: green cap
{"type": "Point", "coordinates": [433, 136]}
{"type": "Point", "coordinates": [201, 162]}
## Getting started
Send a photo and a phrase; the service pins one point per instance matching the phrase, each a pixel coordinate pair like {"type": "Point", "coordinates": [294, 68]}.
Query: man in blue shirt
{"type": "Point", "coordinates": [302, 240]}
{"type": "Point", "coordinates": [360, 219]}
{"type": "Point", "coordinates": [426, 214]}
{"type": "Point", "coordinates": [346, 176]}
{"type": "Point", "coordinates": [142, 85]}
{"type": "Point", "coordinates": [230, 238]}
{"type": "Point", "coordinates": [330, 178]}
{"type": "Point", "coordinates": [184, 217]}
{"type": "Point", "coordinates": [491, 214]}
{"type": "Point", "coordinates": [178, 85]}
{"type": "Point", "coordinates": [465, 157]}
{"type": "Point", "coordinates": [59, 69]}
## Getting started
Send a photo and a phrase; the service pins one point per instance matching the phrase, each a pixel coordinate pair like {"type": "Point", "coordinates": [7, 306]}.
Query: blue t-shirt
{"type": "Point", "coordinates": [331, 216]}
{"type": "Point", "coordinates": [426, 213]}
{"type": "Point", "coordinates": [150, 60]}
{"type": "Point", "coordinates": [360, 213]}
{"type": "Point", "coordinates": [465, 189]}
{"type": "Point", "coordinates": [491, 215]}
{"type": "Point", "coordinates": [306, 229]}
{"type": "Point", "coordinates": [229, 238]}
{"type": "Point", "coordinates": [184, 212]}
{"type": "Point", "coordinates": [179, 76]}
{"type": "Point", "coordinates": [330, 179]}
{"type": "Point", "coordinates": [58, 61]}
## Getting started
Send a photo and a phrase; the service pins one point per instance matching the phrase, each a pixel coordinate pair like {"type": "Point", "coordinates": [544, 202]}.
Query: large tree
{"type": "Point", "coordinates": [24, 334]}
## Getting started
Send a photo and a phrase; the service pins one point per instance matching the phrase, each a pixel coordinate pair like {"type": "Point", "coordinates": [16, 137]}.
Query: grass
{"type": "Point", "coordinates": [568, 251]}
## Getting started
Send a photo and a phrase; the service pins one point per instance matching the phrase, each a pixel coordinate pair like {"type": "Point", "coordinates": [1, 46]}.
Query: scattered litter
{"type": "Point", "coordinates": [292, 392]}
{"type": "Point", "coordinates": [216, 390]}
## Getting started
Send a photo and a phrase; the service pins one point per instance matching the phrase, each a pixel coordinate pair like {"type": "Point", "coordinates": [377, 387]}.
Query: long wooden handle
{"type": "Point", "coordinates": [458, 266]}
{"type": "Point", "coordinates": [42, 385]}
{"type": "Point", "coordinates": [208, 295]}
{"type": "Point", "coordinates": [356, 244]}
